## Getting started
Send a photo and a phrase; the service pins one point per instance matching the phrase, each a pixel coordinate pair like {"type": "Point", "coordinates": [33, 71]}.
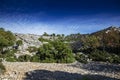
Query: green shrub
{"type": "Point", "coordinates": [35, 58]}
{"type": "Point", "coordinates": [6, 39]}
{"type": "Point", "coordinates": [45, 34]}
{"type": "Point", "coordinates": [11, 59]}
{"type": "Point", "coordinates": [104, 56]}
{"type": "Point", "coordinates": [19, 42]}
{"type": "Point", "coordinates": [98, 55]}
{"type": "Point", "coordinates": [48, 60]}
{"type": "Point", "coordinates": [81, 58]}
{"type": "Point", "coordinates": [24, 58]}
{"type": "Point", "coordinates": [32, 49]}
{"type": "Point", "coordinates": [8, 54]}
{"type": "Point", "coordinates": [115, 58]}
{"type": "Point", "coordinates": [55, 51]}
{"type": "Point", "coordinates": [2, 68]}
{"type": "Point", "coordinates": [43, 40]}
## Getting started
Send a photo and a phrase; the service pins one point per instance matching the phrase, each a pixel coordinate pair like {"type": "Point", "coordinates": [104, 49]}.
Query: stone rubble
{"type": "Point", "coordinates": [18, 71]}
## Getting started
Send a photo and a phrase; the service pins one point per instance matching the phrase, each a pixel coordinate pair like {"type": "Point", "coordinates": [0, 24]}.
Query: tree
{"type": "Point", "coordinates": [3, 43]}
{"type": "Point", "coordinates": [43, 40]}
{"type": "Point", "coordinates": [53, 35]}
{"type": "Point", "coordinates": [6, 39]}
{"type": "Point", "coordinates": [32, 49]}
{"type": "Point", "coordinates": [19, 42]}
{"type": "Point", "coordinates": [73, 37]}
{"type": "Point", "coordinates": [91, 42]}
{"type": "Point", "coordinates": [45, 34]}
{"type": "Point", "coordinates": [63, 35]}
{"type": "Point", "coordinates": [76, 46]}
{"type": "Point", "coordinates": [10, 37]}
{"type": "Point", "coordinates": [2, 68]}
{"type": "Point", "coordinates": [24, 58]}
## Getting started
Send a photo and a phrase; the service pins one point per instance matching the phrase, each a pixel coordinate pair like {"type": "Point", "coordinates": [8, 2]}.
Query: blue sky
{"type": "Point", "coordinates": [58, 16]}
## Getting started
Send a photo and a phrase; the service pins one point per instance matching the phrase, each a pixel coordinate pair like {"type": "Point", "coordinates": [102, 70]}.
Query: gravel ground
{"type": "Point", "coordinates": [54, 71]}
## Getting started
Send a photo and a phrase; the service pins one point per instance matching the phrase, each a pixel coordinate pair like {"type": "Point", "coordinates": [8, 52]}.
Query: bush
{"type": "Point", "coordinates": [45, 34]}
{"type": "Point", "coordinates": [24, 58]}
{"type": "Point", "coordinates": [32, 49]}
{"type": "Point", "coordinates": [115, 58]}
{"type": "Point", "coordinates": [35, 58]}
{"type": "Point", "coordinates": [98, 55]}
{"type": "Point", "coordinates": [47, 60]}
{"type": "Point", "coordinates": [8, 55]}
{"type": "Point", "coordinates": [6, 39]}
{"type": "Point", "coordinates": [43, 40]}
{"type": "Point", "coordinates": [11, 59]}
{"type": "Point", "coordinates": [2, 68]}
{"type": "Point", "coordinates": [19, 42]}
{"type": "Point", "coordinates": [81, 58]}
{"type": "Point", "coordinates": [55, 51]}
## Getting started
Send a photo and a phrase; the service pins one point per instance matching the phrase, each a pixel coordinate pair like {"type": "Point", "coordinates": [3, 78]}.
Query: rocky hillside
{"type": "Point", "coordinates": [32, 39]}
{"type": "Point", "coordinates": [111, 29]}
{"type": "Point", "coordinates": [28, 40]}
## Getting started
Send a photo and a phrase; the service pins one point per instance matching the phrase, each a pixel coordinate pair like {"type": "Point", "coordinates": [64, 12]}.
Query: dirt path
{"type": "Point", "coordinates": [45, 71]}
{"type": "Point", "coordinates": [18, 69]}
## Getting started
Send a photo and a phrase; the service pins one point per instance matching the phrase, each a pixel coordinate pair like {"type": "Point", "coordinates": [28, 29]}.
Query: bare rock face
{"type": "Point", "coordinates": [28, 40]}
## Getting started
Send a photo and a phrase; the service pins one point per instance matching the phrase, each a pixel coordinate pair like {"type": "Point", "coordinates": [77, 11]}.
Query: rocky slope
{"type": "Point", "coordinates": [32, 39]}
{"type": "Point", "coordinates": [111, 29]}
{"type": "Point", "coordinates": [28, 40]}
